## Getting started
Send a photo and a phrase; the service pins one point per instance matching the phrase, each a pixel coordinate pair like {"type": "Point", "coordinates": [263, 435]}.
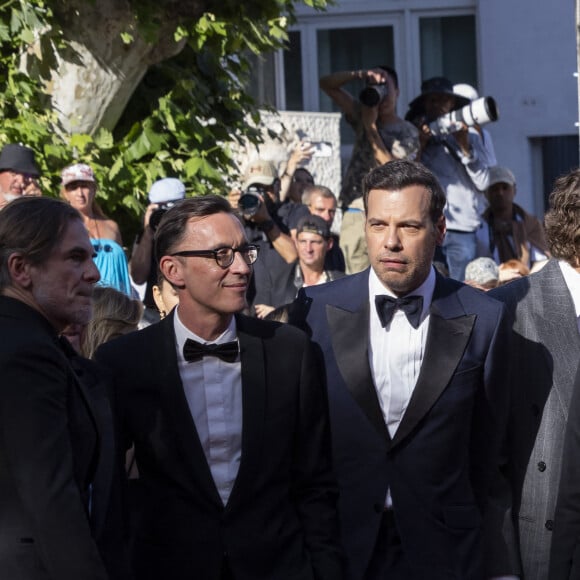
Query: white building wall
{"type": "Point", "coordinates": [527, 62]}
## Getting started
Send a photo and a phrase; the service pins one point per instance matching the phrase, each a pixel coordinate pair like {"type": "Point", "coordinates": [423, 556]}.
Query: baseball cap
{"type": "Point", "coordinates": [260, 171]}
{"type": "Point", "coordinates": [77, 172]}
{"type": "Point", "coordinates": [166, 190]}
{"type": "Point", "coordinates": [465, 90]}
{"type": "Point", "coordinates": [482, 271]}
{"type": "Point", "coordinates": [313, 224]}
{"type": "Point", "coordinates": [499, 174]}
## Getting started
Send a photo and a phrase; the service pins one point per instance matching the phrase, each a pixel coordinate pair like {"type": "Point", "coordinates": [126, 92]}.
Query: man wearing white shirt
{"type": "Point", "coordinates": [414, 366]}
{"type": "Point", "coordinates": [544, 308]}
{"type": "Point", "coordinates": [228, 418]}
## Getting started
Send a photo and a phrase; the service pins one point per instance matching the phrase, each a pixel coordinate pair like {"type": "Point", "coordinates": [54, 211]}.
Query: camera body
{"type": "Point", "coordinates": [250, 200]}
{"type": "Point", "coordinates": [372, 95]}
{"type": "Point", "coordinates": [477, 112]}
{"type": "Point", "coordinates": [160, 212]}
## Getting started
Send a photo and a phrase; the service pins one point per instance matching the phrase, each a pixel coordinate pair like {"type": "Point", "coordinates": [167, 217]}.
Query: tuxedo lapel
{"type": "Point", "coordinates": [349, 333]}
{"type": "Point", "coordinates": [176, 407]}
{"type": "Point", "coordinates": [449, 332]}
{"type": "Point", "coordinates": [253, 406]}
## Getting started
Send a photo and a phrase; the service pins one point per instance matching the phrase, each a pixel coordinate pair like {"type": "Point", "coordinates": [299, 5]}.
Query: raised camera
{"type": "Point", "coordinates": [160, 212]}
{"type": "Point", "coordinates": [372, 95]}
{"type": "Point", "coordinates": [250, 201]}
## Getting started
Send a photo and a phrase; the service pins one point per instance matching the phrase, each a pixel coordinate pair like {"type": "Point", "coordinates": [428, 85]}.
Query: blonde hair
{"type": "Point", "coordinates": [114, 314]}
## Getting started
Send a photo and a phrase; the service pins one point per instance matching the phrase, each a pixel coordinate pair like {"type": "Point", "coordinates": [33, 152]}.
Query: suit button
{"type": "Point", "coordinates": [549, 525]}
{"type": "Point", "coordinates": [379, 508]}
{"type": "Point", "coordinates": [541, 466]}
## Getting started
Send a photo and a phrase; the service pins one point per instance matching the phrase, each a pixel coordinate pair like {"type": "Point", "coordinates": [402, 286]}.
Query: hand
{"type": "Point", "coordinates": [302, 152]}
{"type": "Point", "coordinates": [150, 209]}
{"type": "Point", "coordinates": [376, 76]}
{"type": "Point", "coordinates": [234, 196]}
{"type": "Point", "coordinates": [262, 310]}
{"type": "Point", "coordinates": [462, 138]}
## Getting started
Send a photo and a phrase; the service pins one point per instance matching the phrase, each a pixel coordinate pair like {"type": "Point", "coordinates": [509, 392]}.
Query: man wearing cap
{"type": "Point", "coordinates": [18, 170]}
{"type": "Point", "coordinates": [266, 224]}
{"type": "Point", "coordinates": [482, 273]}
{"type": "Point", "coordinates": [164, 193]}
{"type": "Point", "coordinates": [458, 161]}
{"type": "Point", "coordinates": [313, 242]}
{"type": "Point", "coordinates": [507, 231]}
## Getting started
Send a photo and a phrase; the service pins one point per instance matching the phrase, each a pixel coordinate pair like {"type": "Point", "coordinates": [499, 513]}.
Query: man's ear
{"type": "Point", "coordinates": [329, 243]}
{"type": "Point", "coordinates": [171, 268]}
{"type": "Point", "coordinates": [440, 229]}
{"type": "Point", "coordinates": [20, 270]}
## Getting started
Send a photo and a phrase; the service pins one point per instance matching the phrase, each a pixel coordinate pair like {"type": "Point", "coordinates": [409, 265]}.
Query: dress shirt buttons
{"type": "Point", "coordinates": [549, 525]}
{"type": "Point", "coordinates": [541, 466]}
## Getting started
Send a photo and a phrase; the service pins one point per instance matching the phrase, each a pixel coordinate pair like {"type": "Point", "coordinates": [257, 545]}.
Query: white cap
{"type": "Point", "coordinates": [166, 189]}
{"type": "Point", "coordinates": [466, 91]}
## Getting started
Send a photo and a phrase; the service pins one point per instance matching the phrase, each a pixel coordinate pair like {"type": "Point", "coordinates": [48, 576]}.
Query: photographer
{"type": "Point", "coordinates": [164, 193]}
{"type": "Point", "coordinates": [265, 225]}
{"type": "Point", "coordinates": [458, 161]}
{"type": "Point", "coordinates": [380, 136]}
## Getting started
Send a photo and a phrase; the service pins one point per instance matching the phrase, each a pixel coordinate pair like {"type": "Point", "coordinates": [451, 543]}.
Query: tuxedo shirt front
{"type": "Point", "coordinates": [213, 389]}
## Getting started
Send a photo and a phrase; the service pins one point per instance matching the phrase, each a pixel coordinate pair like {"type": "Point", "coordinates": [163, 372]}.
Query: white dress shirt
{"type": "Point", "coordinates": [213, 389]}
{"type": "Point", "coordinates": [572, 279]}
{"type": "Point", "coordinates": [396, 353]}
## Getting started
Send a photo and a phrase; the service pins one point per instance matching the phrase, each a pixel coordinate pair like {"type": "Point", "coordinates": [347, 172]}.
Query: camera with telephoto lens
{"type": "Point", "coordinates": [372, 95]}
{"type": "Point", "coordinates": [250, 201]}
{"type": "Point", "coordinates": [477, 112]}
{"type": "Point", "coordinates": [160, 212]}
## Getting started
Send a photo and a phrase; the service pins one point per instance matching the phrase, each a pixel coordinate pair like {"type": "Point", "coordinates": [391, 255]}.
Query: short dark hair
{"type": "Point", "coordinates": [401, 173]}
{"type": "Point", "coordinates": [172, 225]}
{"type": "Point", "coordinates": [563, 218]}
{"type": "Point", "coordinates": [392, 73]}
{"type": "Point", "coordinates": [33, 226]}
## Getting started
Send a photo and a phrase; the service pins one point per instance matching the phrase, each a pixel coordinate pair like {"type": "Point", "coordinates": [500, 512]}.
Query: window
{"type": "Point", "coordinates": [293, 73]}
{"type": "Point", "coordinates": [448, 48]}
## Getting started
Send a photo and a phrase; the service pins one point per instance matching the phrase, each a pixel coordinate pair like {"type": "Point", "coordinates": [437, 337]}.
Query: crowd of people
{"type": "Point", "coordinates": [247, 393]}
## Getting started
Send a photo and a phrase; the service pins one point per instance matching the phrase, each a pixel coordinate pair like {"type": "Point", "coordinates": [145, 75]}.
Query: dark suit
{"type": "Point", "coordinates": [280, 519]}
{"type": "Point", "coordinates": [438, 464]}
{"type": "Point", "coordinates": [49, 454]}
{"type": "Point", "coordinates": [544, 361]}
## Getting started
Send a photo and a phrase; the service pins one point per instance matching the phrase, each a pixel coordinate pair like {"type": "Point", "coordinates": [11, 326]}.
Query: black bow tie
{"type": "Point", "coordinates": [412, 306]}
{"type": "Point", "coordinates": [194, 351]}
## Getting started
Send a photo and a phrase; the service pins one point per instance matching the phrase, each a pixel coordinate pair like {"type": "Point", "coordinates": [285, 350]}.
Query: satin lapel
{"type": "Point", "coordinates": [349, 333]}
{"type": "Point", "coordinates": [253, 405]}
{"type": "Point", "coordinates": [447, 337]}
{"type": "Point", "coordinates": [176, 407]}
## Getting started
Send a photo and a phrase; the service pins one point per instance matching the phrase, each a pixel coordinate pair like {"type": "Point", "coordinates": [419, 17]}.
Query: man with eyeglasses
{"type": "Point", "coordinates": [228, 418]}
{"type": "Point", "coordinates": [18, 170]}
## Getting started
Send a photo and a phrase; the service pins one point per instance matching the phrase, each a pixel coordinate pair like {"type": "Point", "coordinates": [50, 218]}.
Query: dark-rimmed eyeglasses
{"type": "Point", "coordinates": [225, 256]}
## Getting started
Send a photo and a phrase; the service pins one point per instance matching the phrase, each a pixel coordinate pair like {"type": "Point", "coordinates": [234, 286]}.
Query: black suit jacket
{"type": "Point", "coordinates": [280, 520]}
{"type": "Point", "coordinates": [49, 454]}
{"type": "Point", "coordinates": [440, 462]}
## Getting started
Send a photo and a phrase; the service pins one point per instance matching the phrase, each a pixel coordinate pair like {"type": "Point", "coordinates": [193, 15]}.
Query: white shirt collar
{"type": "Point", "coordinates": [426, 289]}
{"type": "Point", "coordinates": [572, 279]}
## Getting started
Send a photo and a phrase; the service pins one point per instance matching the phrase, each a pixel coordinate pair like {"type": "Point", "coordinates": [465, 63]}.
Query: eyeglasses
{"type": "Point", "coordinates": [224, 257]}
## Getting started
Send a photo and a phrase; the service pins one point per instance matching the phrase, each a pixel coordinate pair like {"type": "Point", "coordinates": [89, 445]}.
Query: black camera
{"type": "Point", "coordinates": [250, 201]}
{"type": "Point", "coordinates": [160, 212]}
{"type": "Point", "coordinates": [372, 95]}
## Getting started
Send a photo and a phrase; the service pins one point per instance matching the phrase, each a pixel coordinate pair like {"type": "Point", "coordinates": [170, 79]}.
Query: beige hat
{"type": "Point", "coordinates": [260, 171]}
{"type": "Point", "coordinates": [499, 174]}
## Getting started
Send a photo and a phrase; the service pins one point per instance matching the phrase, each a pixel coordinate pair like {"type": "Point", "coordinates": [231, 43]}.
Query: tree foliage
{"type": "Point", "coordinates": [180, 119]}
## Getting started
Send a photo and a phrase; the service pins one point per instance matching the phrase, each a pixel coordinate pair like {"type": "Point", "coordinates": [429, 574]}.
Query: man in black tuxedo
{"type": "Point", "coordinates": [414, 366]}
{"type": "Point", "coordinates": [50, 435]}
{"type": "Point", "coordinates": [228, 419]}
